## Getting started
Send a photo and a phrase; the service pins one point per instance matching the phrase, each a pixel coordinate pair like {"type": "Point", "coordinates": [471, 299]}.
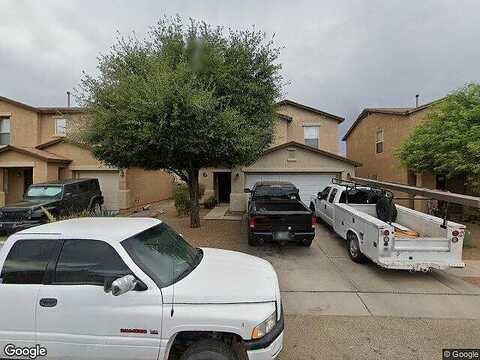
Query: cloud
{"type": "Point", "coordinates": [339, 56]}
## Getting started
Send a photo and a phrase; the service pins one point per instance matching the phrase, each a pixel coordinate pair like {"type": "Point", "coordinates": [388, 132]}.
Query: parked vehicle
{"type": "Point", "coordinates": [57, 197]}
{"type": "Point", "coordinates": [276, 213]}
{"type": "Point", "coordinates": [390, 235]}
{"type": "Point", "coordinates": [132, 288]}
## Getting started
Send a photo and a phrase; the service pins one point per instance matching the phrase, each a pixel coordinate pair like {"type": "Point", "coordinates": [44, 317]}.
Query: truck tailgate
{"type": "Point", "coordinates": [283, 221]}
{"type": "Point", "coordinates": [422, 244]}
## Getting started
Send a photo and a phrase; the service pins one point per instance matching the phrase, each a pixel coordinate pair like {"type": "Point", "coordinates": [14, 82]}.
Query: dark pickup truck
{"type": "Point", "coordinates": [59, 198]}
{"type": "Point", "coordinates": [275, 213]}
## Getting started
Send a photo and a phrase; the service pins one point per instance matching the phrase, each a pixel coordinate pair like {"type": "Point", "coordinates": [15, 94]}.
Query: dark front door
{"type": "Point", "coordinates": [224, 181]}
{"type": "Point", "coordinates": [27, 178]}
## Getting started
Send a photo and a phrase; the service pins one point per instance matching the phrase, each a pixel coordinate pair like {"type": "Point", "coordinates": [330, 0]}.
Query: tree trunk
{"type": "Point", "coordinates": [194, 198]}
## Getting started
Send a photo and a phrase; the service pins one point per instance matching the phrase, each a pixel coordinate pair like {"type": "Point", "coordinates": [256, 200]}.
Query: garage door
{"type": "Point", "coordinates": [108, 180]}
{"type": "Point", "coordinates": [307, 183]}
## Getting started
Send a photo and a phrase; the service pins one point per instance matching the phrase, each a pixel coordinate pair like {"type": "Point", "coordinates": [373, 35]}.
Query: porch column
{"type": "Point", "coordinates": [238, 199]}
{"type": "Point", "coordinates": [124, 199]}
{"type": "Point", "coordinates": [2, 193]}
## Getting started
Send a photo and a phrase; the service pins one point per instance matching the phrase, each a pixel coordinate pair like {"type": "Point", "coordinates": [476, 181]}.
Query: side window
{"type": "Point", "coordinates": [70, 189]}
{"type": "Point", "coordinates": [88, 262]}
{"type": "Point", "coordinates": [343, 197]}
{"type": "Point", "coordinates": [93, 185]}
{"type": "Point", "coordinates": [83, 187]}
{"type": "Point", "coordinates": [325, 192]}
{"type": "Point", "coordinates": [332, 196]}
{"type": "Point", "coordinates": [27, 261]}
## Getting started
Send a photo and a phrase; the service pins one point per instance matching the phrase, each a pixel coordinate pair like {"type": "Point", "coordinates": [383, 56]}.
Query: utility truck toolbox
{"type": "Point", "coordinates": [132, 288]}
{"type": "Point", "coordinates": [390, 235]}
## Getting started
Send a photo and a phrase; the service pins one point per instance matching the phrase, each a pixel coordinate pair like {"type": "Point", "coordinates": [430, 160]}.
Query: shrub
{"type": "Point", "coordinates": [210, 202]}
{"type": "Point", "coordinates": [182, 199]}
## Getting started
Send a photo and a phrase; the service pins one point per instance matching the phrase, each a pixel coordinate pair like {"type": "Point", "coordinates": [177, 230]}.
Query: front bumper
{"type": "Point", "coordinates": [269, 346]}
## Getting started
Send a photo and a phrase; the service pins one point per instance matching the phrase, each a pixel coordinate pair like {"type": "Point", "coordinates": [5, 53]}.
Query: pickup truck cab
{"type": "Point", "coordinates": [275, 213]}
{"type": "Point", "coordinates": [132, 288]}
{"type": "Point", "coordinates": [404, 239]}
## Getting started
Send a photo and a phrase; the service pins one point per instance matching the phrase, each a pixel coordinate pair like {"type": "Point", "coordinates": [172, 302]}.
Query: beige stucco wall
{"type": "Point", "coordinates": [148, 186]}
{"type": "Point", "coordinates": [328, 138]}
{"type": "Point", "coordinates": [280, 133]}
{"type": "Point", "coordinates": [24, 124]}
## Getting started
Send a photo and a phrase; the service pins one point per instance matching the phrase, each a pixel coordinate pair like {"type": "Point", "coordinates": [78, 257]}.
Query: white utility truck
{"type": "Point", "coordinates": [132, 288]}
{"type": "Point", "coordinates": [390, 235]}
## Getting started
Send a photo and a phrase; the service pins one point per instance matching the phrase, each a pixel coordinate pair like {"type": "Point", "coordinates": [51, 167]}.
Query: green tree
{"type": "Point", "coordinates": [189, 96]}
{"type": "Point", "coordinates": [449, 142]}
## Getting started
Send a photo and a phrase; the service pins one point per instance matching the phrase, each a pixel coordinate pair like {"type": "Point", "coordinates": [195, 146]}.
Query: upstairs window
{"type": "Point", "coordinates": [311, 135]}
{"type": "Point", "coordinates": [379, 142]}
{"type": "Point", "coordinates": [60, 125]}
{"type": "Point", "coordinates": [4, 131]}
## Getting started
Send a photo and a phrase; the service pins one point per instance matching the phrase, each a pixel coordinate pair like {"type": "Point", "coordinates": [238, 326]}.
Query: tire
{"type": "Point", "coordinates": [96, 208]}
{"type": "Point", "coordinates": [251, 239]}
{"type": "Point", "coordinates": [209, 350]}
{"type": "Point", "coordinates": [353, 249]}
{"type": "Point", "coordinates": [306, 242]}
{"type": "Point", "coordinates": [386, 209]}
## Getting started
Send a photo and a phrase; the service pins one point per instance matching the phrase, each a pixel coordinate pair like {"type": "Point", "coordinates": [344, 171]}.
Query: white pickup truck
{"type": "Point", "coordinates": [411, 240]}
{"type": "Point", "coordinates": [132, 288]}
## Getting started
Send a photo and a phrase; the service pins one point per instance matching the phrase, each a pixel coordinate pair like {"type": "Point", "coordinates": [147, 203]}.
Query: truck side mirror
{"type": "Point", "coordinates": [247, 190]}
{"type": "Point", "coordinates": [123, 285]}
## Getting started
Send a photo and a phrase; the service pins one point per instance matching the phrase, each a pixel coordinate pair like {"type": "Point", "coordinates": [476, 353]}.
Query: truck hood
{"type": "Point", "coordinates": [226, 277]}
{"type": "Point", "coordinates": [29, 204]}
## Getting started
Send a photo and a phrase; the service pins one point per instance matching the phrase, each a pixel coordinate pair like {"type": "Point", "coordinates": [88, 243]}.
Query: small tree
{"type": "Point", "coordinates": [189, 96]}
{"type": "Point", "coordinates": [449, 142]}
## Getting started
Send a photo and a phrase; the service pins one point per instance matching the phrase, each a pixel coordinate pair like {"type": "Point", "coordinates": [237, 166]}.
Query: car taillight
{"type": "Point", "coordinates": [386, 232]}
{"type": "Point", "coordinates": [314, 221]}
{"type": "Point", "coordinates": [455, 233]}
{"type": "Point", "coordinates": [253, 222]}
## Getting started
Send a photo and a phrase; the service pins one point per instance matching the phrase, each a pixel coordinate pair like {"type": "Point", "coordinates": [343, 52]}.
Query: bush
{"type": "Point", "coordinates": [182, 199]}
{"type": "Point", "coordinates": [210, 202]}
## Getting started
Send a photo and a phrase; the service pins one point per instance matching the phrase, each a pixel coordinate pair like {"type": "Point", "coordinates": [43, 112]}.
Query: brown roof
{"type": "Point", "coordinates": [311, 109]}
{"type": "Point", "coordinates": [312, 149]}
{"type": "Point", "coordinates": [42, 109]}
{"type": "Point", "coordinates": [37, 153]}
{"type": "Point", "coordinates": [405, 111]}
{"type": "Point", "coordinates": [50, 143]}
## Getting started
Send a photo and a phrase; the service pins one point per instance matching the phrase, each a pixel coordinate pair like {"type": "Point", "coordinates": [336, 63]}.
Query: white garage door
{"type": "Point", "coordinates": [307, 183]}
{"type": "Point", "coordinates": [108, 180]}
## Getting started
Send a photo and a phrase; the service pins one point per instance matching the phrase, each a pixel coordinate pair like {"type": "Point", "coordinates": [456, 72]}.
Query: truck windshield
{"type": "Point", "coordinates": [275, 192]}
{"type": "Point", "coordinates": [44, 192]}
{"type": "Point", "coordinates": [163, 254]}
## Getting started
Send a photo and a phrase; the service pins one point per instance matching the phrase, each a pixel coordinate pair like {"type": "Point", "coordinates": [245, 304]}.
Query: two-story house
{"type": "Point", "coordinates": [304, 152]}
{"type": "Point", "coordinates": [33, 149]}
{"type": "Point", "coordinates": [373, 139]}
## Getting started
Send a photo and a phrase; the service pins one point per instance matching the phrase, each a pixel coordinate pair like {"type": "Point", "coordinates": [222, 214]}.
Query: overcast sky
{"type": "Point", "coordinates": [339, 56]}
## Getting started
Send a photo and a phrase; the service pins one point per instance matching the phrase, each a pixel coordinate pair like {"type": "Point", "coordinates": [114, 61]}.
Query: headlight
{"type": "Point", "coordinates": [265, 327]}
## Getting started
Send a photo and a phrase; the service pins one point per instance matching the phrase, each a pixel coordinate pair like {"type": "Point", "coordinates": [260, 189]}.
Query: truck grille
{"type": "Point", "coordinates": [17, 215]}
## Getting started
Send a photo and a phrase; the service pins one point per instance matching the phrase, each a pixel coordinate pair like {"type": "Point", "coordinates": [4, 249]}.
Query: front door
{"type": "Point", "coordinates": [27, 178]}
{"type": "Point", "coordinates": [21, 277]}
{"type": "Point", "coordinates": [224, 183]}
{"type": "Point", "coordinates": [84, 321]}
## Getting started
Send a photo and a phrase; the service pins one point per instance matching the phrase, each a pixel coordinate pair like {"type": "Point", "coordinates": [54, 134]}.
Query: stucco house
{"type": "Point", "coordinates": [304, 151]}
{"type": "Point", "coordinates": [33, 149]}
{"type": "Point", "coordinates": [373, 139]}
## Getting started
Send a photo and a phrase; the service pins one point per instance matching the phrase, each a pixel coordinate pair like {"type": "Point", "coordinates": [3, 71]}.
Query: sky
{"type": "Point", "coordinates": [339, 56]}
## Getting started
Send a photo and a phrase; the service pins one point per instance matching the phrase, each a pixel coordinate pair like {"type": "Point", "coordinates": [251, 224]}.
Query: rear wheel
{"type": "Point", "coordinates": [209, 350]}
{"type": "Point", "coordinates": [353, 248]}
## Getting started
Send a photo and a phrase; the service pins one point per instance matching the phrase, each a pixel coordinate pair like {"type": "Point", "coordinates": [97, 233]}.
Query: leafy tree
{"type": "Point", "coordinates": [187, 97]}
{"type": "Point", "coordinates": [449, 142]}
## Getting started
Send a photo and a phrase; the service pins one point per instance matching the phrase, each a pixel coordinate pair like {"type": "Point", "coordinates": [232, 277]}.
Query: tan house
{"type": "Point", "coordinates": [304, 152]}
{"type": "Point", "coordinates": [373, 139]}
{"type": "Point", "coordinates": [33, 149]}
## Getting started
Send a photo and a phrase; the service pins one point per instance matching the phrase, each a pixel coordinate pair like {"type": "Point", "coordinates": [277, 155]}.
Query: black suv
{"type": "Point", "coordinates": [62, 197]}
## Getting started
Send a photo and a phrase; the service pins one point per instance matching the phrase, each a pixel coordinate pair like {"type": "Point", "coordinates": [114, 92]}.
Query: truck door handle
{"type": "Point", "coordinates": [48, 302]}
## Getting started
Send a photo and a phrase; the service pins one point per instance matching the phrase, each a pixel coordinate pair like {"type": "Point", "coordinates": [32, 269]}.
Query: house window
{"type": "Point", "coordinates": [379, 142]}
{"type": "Point", "coordinates": [311, 134]}
{"type": "Point", "coordinates": [4, 131]}
{"type": "Point", "coordinates": [291, 155]}
{"type": "Point", "coordinates": [60, 125]}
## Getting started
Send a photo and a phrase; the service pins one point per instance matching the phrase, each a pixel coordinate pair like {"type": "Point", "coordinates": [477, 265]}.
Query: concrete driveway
{"type": "Point", "coordinates": [322, 280]}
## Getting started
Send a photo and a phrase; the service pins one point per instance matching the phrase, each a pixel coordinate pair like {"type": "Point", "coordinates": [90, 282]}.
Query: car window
{"type": "Point", "coordinates": [88, 262]}
{"type": "Point", "coordinates": [93, 185]}
{"type": "Point", "coordinates": [332, 195]}
{"type": "Point", "coordinates": [325, 192]}
{"type": "Point", "coordinates": [27, 261]}
{"type": "Point", "coordinates": [83, 187]}
{"type": "Point", "coordinates": [44, 191]}
{"type": "Point", "coordinates": [359, 196]}
{"type": "Point", "coordinates": [71, 188]}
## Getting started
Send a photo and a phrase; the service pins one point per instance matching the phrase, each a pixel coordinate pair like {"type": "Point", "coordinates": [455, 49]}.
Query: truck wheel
{"type": "Point", "coordinates": [209, 350]}
{"type": "Point", "coordinates": [353, 248]}
{"type": "Point", "coordinates": [306, 242]}
{"type": "Point", "coordinates": [251, 239]}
